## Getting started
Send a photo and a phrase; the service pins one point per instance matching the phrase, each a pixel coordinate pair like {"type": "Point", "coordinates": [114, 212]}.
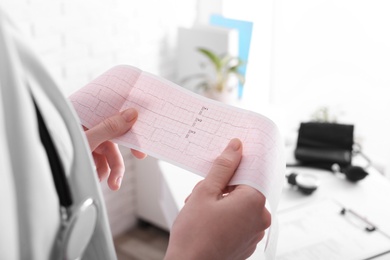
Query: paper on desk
{"type": "Point", "coordinates": [318, 231]}
{"type": "Point", "coordinates": [184, 128]}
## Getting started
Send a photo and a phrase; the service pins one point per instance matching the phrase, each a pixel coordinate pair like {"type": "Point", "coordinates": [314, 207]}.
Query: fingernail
{"type": "Point", "coordinates": [235, 144]}
{"type": "Point", "coordinates": [129, 114]}
{"type": "Point", "coordinates": [119, 181]}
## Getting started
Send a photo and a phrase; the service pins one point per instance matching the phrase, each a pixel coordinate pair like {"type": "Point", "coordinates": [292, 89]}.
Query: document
{"type": "Point", "coordinates": [185, 129]}
{"type": "Point", "coordinates": [328, 230]}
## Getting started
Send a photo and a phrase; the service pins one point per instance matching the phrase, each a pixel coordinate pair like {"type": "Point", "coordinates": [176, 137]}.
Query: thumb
{"type": "Point", "coordinates": [111, 127]}
{"type": "Point", "coordinates": [224, 166]}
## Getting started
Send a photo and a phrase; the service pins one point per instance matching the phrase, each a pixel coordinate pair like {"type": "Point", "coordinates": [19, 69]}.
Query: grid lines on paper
{"type": "Point", "coordinates": [181, 127]}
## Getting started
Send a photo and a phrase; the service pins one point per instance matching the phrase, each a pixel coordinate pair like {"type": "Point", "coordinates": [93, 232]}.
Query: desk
{"type": "Point", "coordinates": [370, 197]}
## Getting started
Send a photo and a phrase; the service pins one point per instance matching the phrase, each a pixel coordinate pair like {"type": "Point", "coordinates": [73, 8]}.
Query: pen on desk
{"type": "Point", "coordinates": [369, 227]}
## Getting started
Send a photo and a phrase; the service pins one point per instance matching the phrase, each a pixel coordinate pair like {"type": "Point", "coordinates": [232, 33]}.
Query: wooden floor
{"type": "Point", "coordinates": [144, 242]}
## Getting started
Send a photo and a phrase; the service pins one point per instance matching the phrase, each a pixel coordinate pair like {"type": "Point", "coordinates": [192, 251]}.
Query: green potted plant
{"type": "Point", "coordinates": [225, 75]}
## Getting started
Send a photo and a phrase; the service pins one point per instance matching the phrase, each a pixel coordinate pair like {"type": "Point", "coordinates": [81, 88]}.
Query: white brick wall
{"type": "Point", "coordinates": [80, 39]}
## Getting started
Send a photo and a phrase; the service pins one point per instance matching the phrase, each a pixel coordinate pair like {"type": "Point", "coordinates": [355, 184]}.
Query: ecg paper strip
{"type": "Point", "coordinates": [183, 128]}
{"type": "Point", "coordinates": [186, 129]}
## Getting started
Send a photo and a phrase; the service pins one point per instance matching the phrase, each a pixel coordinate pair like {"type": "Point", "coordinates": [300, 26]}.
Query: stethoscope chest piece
{"type": "Point", "coordinates": [306, 183]}
{"type": "Point", "coordinates": [76, 232]}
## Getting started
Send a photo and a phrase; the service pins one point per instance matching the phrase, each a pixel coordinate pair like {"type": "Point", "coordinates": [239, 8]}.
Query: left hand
{"type": "Point", "coordinates": [108, 159]}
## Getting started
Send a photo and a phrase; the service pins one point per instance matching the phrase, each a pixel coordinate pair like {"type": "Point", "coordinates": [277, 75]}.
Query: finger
{"type": "Point", "coordinates": [196, 185]}
{"type": "Point", "coordinates": [229, 189]}
{"type": "Point", "coordinates": [267, 219]}
{"type": "Point", "coordinates": [138, 154]}
{"type": "Point", "coordinates": [188, 197]}
{"type": "Point", "coordinates": [111, 127]}
{"type": "Point", "coordinates": [249, 251]}
{"type": "Point", "coordinates": [260, 236]}
{"type": "Point", "coordinates": [101, 166]}
{"type": "Point", "coordinates": [115, 162]}
{"type": "Point", "coordinates": [224, 166]}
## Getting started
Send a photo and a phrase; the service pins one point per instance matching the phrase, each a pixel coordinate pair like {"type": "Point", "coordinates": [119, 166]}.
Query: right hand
{"type": "Point", "coordinates": [220, 221]}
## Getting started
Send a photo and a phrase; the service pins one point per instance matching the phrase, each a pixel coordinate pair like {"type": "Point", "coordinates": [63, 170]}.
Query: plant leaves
{"type": "Point", "coordinates": [212, 57]}
{"type": "Point", "coordinates": [224, 65]}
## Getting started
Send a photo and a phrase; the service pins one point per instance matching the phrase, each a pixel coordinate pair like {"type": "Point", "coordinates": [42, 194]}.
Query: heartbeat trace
{"type": "Point", "coordinates": [184, 128]}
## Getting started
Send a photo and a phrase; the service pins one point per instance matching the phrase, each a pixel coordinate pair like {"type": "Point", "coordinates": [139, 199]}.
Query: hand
{"type": "Point", "coordinates": [220, 221]}
{"type": "Point", "coordinates": [106, 154]}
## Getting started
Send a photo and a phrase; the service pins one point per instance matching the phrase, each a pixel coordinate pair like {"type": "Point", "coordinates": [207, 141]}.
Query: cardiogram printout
{"type": "Point", "coordinates": [184, 128]}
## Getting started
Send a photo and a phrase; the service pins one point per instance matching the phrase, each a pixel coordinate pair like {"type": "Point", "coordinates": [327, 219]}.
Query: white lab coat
{"type": "Point", "coordinates": [30, 218]}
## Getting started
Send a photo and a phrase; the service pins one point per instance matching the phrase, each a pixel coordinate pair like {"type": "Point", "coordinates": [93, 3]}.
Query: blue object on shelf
{"type": "Point", "coordinates": [244, 29]}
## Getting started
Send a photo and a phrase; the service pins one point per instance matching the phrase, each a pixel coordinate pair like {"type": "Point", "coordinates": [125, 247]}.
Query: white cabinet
{"type": "Point", "coordinates": [156, 201]}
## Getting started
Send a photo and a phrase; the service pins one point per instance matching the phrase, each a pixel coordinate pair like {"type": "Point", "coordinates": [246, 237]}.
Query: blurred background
{"type": "Point", "coordinates": [303, 58]}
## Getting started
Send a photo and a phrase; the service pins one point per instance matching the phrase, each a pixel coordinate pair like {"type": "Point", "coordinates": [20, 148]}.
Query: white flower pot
{"type": "Point", "coordinates": [227, 97]}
